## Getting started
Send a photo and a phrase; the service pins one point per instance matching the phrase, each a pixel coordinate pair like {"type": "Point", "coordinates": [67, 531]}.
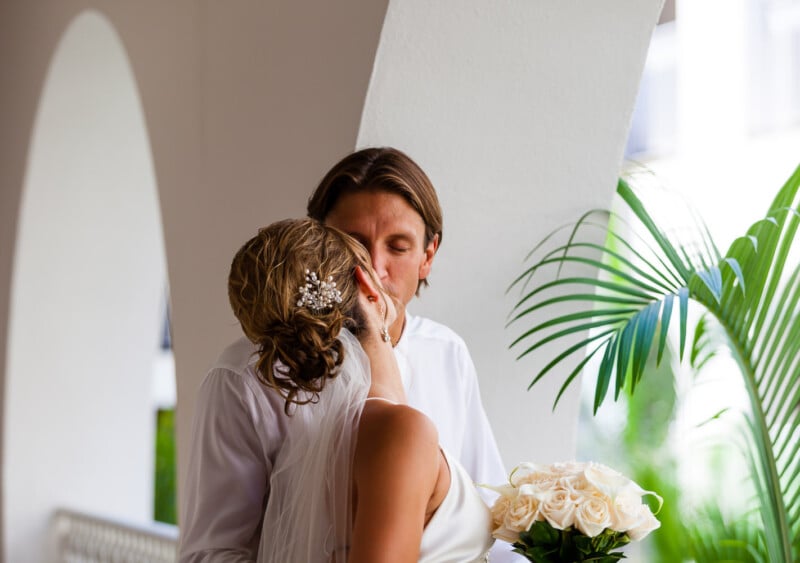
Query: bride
{"type": "Point", "coordinates": [361, 476]}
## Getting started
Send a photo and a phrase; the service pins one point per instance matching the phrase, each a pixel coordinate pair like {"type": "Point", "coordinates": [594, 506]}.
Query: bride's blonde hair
{"type": "Point", "coordinates": [298, 349]}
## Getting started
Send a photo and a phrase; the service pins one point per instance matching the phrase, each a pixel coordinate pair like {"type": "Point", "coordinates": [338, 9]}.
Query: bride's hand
{"type": "Point", "coordinates": [378, 306]}
{"type": "Point", "coordinates": [379, 310]}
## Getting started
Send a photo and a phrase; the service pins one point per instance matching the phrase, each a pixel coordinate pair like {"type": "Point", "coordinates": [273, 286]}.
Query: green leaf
{"type": "Point", "coordinates": [624, 355]}
{"type": "Point", "coordinates": [542, 533]}
{"type": "Point", "coordinates": [568, 352]}
{"type": "Point", "coordinates": [645, 334]}
{"type": "Point", "coordinates": [737, 270]}
{"type": "Point", "coordinates": [666, 314]}
{"type": "Point", "coordinates": [713, 417]}
{"type": "Point", "coordinates": [683, 312]}
{"type": "Point", "coordinates": [605, 372]}
{"type": "Point", "coordinates": [638, 209]}
{"type": "Point", "coordinates": [712, 279]}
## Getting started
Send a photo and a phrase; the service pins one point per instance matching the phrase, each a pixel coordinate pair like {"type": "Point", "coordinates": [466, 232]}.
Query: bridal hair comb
{"type": "Point", "coordinates": [318, 294]}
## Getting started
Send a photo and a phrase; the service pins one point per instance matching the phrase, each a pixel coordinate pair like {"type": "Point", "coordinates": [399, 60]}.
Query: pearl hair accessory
{"type": "Point", "coordinates": [318, 294]}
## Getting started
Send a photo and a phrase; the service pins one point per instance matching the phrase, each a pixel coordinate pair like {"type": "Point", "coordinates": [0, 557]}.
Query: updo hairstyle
{"type": "Point", "coordinates": [298, 349]}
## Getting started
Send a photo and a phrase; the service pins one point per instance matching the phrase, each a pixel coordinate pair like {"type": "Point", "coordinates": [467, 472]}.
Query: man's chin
{"type": "Point", "coordinates": [399, 304]}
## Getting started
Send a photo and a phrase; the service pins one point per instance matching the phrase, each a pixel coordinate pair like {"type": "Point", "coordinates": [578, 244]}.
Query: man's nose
{"type": "Point", "coordinates": [379, 262]}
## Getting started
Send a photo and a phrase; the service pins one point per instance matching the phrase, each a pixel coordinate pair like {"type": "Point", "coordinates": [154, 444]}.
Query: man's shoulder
{"type": "Point", "coordinates": [237, 357]}
{"type": "Point", "coordinates": [428, 341]}
{"type": "Point", "coordinates": [233, 376]}
{"type": "Point", "coordinates": [233, 368]}
{"type": "Point", "coordinates": [427, 330]}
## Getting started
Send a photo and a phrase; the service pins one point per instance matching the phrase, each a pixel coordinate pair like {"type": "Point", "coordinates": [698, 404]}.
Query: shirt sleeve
{"type": "Point", "coordinates": [479, 453]}
{"type": "Point", "coordinates": [226, 484]}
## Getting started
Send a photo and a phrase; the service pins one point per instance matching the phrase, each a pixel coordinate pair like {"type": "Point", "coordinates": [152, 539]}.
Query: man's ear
{"type": "Point", "coordinates": [366, 285]}
{"type": "Point", "coordinates": [429, 253]}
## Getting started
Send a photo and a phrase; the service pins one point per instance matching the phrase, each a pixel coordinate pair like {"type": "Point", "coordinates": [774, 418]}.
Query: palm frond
{"type": "Point", "coordinates": [747, 292]}
{"type": "Point", "coordinates": [716, 538]}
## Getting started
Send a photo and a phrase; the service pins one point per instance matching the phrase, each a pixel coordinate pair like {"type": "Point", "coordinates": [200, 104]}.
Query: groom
{"type": "Point", "coordinates": [383, 199]}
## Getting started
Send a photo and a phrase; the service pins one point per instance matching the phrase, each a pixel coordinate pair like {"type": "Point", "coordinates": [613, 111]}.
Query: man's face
{"type": "Point", "coordinates": [393, 233]}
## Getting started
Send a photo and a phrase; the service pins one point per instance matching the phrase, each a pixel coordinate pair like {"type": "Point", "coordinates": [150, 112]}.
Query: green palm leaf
{"type": "Point", "coordinates": [752, 292]}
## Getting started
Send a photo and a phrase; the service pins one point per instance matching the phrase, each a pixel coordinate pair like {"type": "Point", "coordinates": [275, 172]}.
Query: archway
{"type": "Point", "coordinates": [87, 299]}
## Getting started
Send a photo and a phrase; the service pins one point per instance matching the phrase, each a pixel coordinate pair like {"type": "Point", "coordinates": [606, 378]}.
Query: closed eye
{"type": "Point", "coordinates": [400, 244]}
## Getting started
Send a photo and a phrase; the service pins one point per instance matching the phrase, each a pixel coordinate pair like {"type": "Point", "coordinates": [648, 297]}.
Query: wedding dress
{"type": "Point", "coordinates": [309, 514]}
{"type": "Point", "coordinates": [459, 530]}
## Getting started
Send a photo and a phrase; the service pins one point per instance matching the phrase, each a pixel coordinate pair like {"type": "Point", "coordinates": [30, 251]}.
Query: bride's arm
{"type": "Point", "coordinates": [395, 471]}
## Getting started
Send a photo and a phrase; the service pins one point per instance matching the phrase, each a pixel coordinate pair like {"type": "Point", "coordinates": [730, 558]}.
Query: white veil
{"type": "Point", "coordinates": [308, 518]}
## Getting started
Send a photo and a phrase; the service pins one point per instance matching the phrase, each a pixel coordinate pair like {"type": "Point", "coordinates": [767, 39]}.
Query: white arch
{"type": "Point", "coordinates": [86, 299]}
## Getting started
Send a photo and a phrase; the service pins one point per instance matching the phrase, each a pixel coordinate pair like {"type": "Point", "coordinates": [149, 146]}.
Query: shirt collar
{"type": "Point", "coordinates": [402, 344]}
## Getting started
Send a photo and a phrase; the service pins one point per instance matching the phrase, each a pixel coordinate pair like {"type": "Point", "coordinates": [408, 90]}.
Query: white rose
{"type": "Point", "coordinates": [647, 524]}
{"type": "Point", "coordinates": [558, 509]}
{"type": "Point", "coordinates": [579, 486]}
{"type": "Point", "coordinates": [504, 490]}
{"type": "Point", "coordinates": [527, 467]}
{"type": "Point", "coordinates": [609, 481]}
{"type": "Point", "coordinates": [522, 471]}
{"type": "Point", "coordinates": [523, 512]}
{"type": "Point", "coordinates": [499, 509]}
{"type": "Point", "coordinates": [504, 534]}
{"type": "Point", "coordinates": [592, 515]}
{"type": "Point", "coordinates": [540, 477]}
{"type": "Point", "coordinates": [626, 512]}
{"type": "Point", "coordinates": [569, 467]}
{"type": "Point", "coordinates": [542, 484]}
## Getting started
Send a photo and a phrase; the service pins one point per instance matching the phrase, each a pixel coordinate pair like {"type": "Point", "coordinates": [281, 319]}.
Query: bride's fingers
{"type": "Point", "coordinates": [393, 307]}
{"type": "Point", "coordinates": [373, 310]}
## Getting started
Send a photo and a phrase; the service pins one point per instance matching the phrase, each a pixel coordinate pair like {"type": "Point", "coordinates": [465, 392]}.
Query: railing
{"type": "Point", "coordinates": [80, 538]}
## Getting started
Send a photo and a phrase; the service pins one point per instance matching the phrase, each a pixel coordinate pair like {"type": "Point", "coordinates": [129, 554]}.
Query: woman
{"type": "Point", "coordinates": [360, 477]}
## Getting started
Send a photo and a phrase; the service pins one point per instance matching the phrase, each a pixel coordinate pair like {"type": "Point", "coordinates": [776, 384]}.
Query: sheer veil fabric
{"type": "Point", "coordinates": [308, 518]}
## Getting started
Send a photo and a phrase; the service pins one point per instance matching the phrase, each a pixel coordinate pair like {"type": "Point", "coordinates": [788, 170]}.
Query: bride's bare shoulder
{"type": "Point", "coordinates": [395, 473]}
{"type": "Point", "coordinates": [390, 429]}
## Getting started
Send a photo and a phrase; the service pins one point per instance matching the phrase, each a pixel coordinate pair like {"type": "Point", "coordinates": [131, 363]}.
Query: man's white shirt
{"type": "Point", "coordinates": [440, 380]}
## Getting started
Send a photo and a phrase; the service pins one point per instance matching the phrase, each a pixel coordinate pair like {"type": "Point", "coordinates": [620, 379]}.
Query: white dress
{"type": "Point", "coordinates": [460, 529]}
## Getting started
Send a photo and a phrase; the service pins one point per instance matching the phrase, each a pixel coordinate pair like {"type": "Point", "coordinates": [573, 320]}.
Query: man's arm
{"type": "Point", "coordinates": [479, 453]}
{"type": "Point", "coordinates": [226, 484]}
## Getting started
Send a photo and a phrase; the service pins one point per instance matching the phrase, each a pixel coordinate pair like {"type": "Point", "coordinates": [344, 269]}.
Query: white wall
{"type": "Point", "coordinates": [87, 297]}
{"type": "Point", "coordinates": [519, 112]}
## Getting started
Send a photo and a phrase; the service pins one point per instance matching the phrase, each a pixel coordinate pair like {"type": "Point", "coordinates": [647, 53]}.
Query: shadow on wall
{"type": "Point", "coordinates": [86, 300]}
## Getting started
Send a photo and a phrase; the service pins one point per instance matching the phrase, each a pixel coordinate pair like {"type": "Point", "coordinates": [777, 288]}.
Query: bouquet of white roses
{"type": "Point", "coordinates": [571, 512]}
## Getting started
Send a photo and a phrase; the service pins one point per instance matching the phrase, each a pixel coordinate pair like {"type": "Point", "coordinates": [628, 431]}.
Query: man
{"type": "Point", "coordinates": [383, 199]}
